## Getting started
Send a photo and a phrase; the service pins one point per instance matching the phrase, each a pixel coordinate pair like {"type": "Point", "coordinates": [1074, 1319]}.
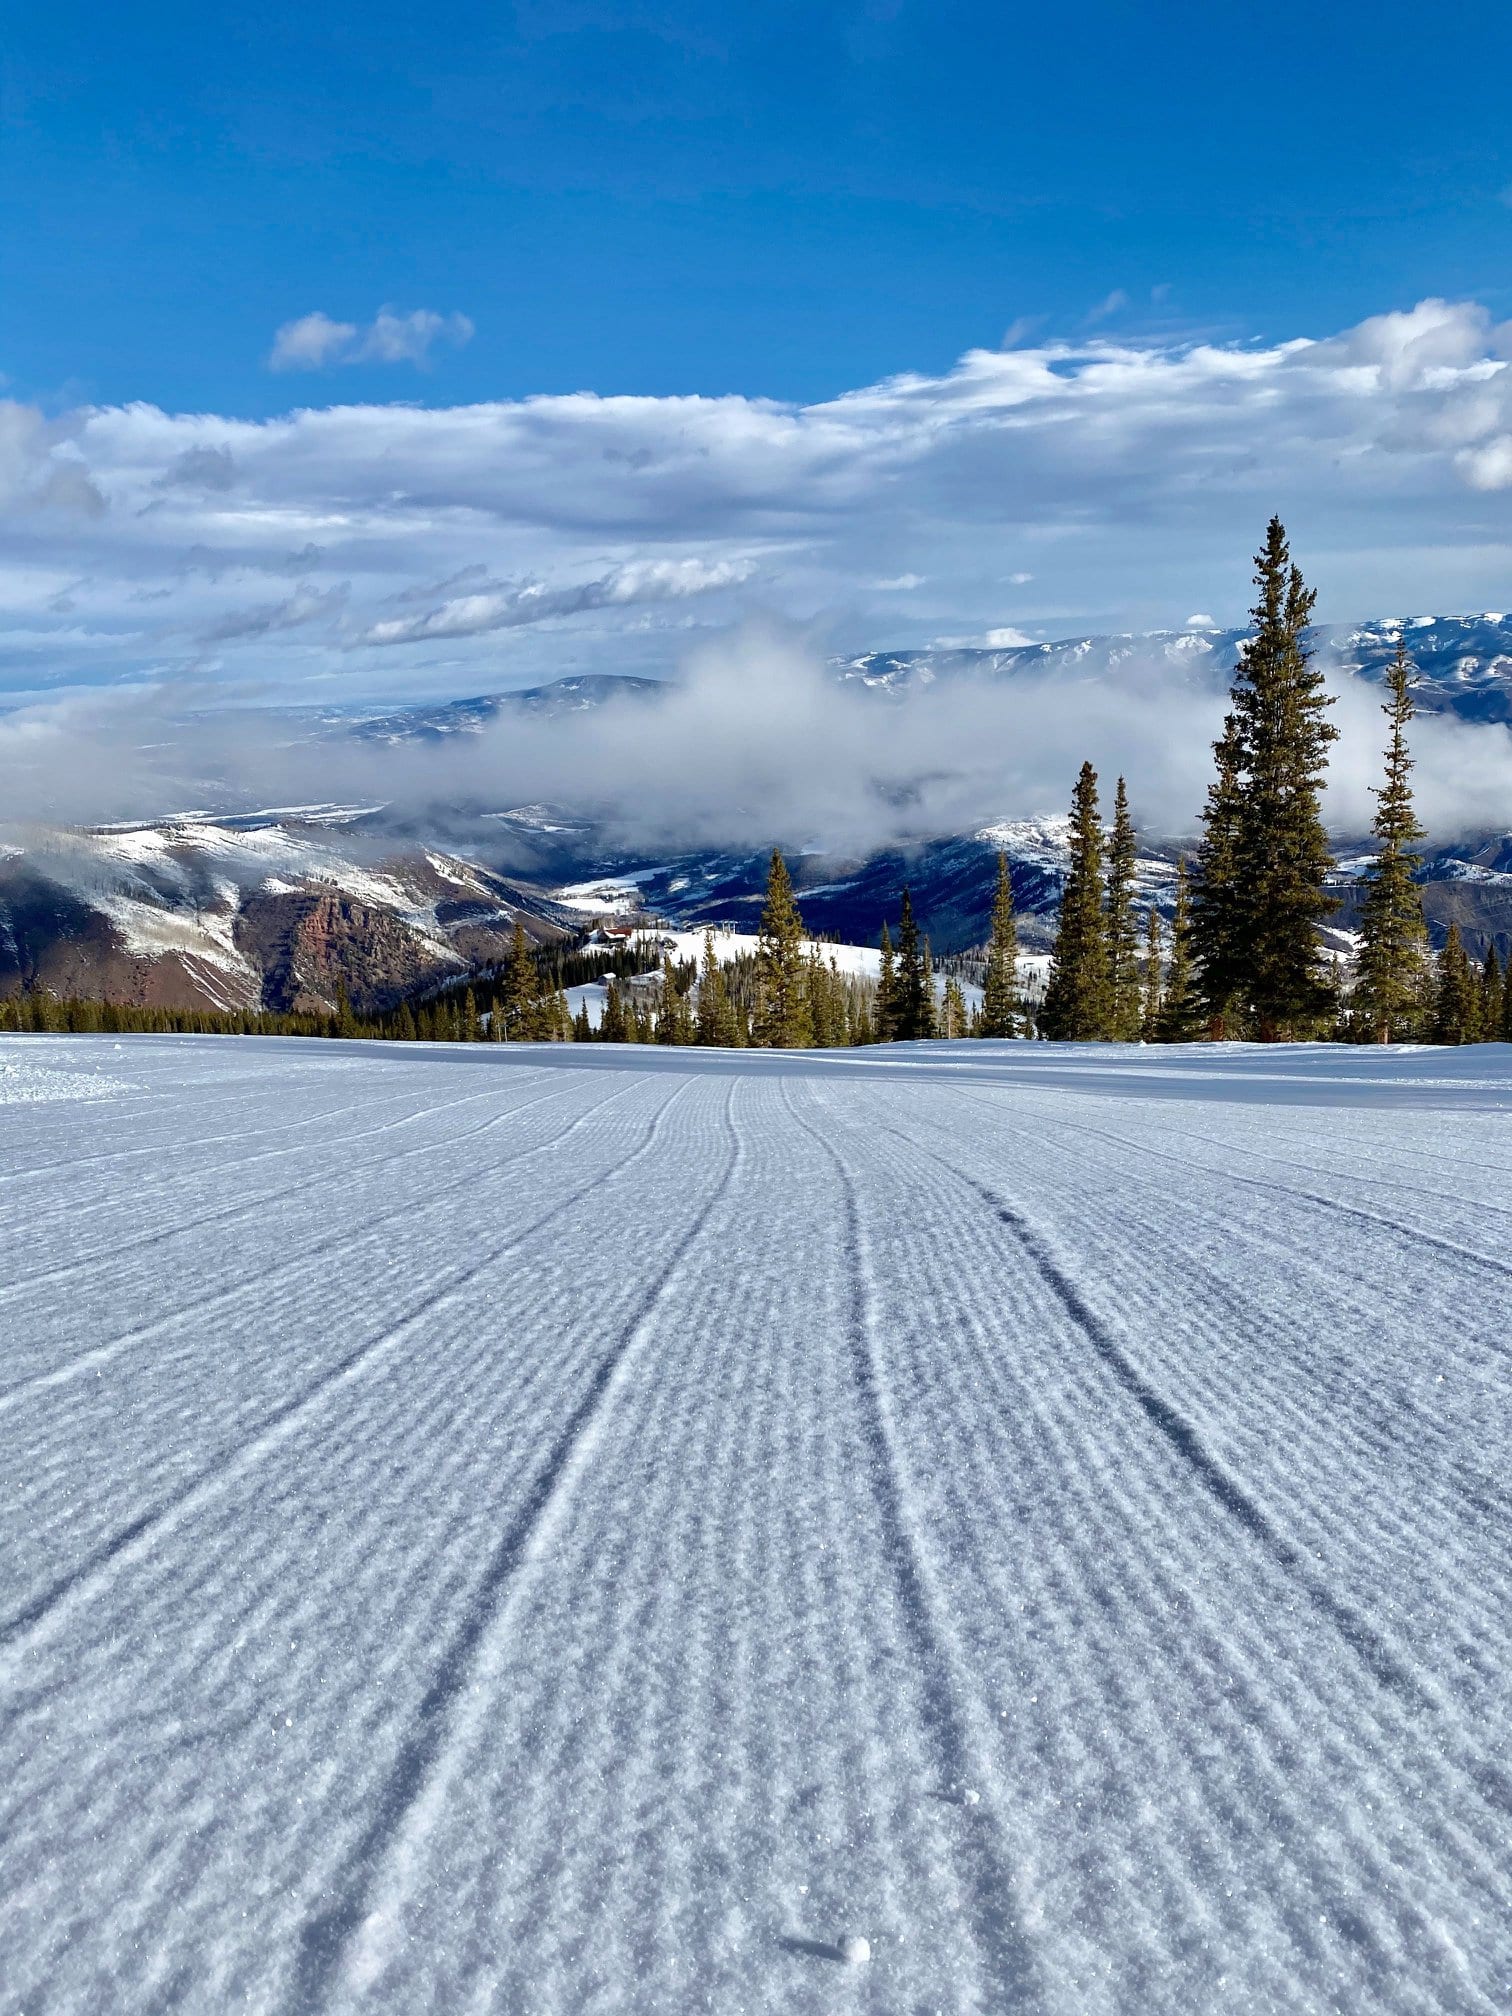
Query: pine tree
{"type": "Point", "coordinates": [1504, 1033]}
{"type": "Point", "coordinates": [1122, 932]}
{"type": "Point", "coordinates": [1179, 1009]}
{"type": "Point", "coordinates": [615, 1025]}
{"type": "Point", "coordinates": [1283, 737]}
{"type": "Point", "coordinates": [1218, 925]}
{"type": "Point", "coordinates": [1075, 1008]}
{"type": "Point", "coordinates": [1151, 994]}
{"type": "Point", "coordinates": [885, 1008]}
{"type": "Point", "coordinates": [1389, 986]}
{"type": "Point", "coordinates": [782, 1020]}
{"type": "Point", "coordinates": [1488, 1007]}
{"type": "Point", "coordinates": [715, 1022]}
{"type": "Point", "coordinates": [999, 1016]}
{"type": "Point", "coordinates": [1455, 1001]}
{"type": "Point", "coordinates": [469, 1017]}
{"type": "Point", "coordinates": [953, 1021]}
{"type": "Point", "coordinates": [913, 1000]}
{"type": "Point", "coordinates": [582, 1028]}
{"type": "Point", "coordinates": [520, 989]}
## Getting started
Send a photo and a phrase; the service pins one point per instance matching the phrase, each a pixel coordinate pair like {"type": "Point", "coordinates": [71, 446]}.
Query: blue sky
{"type": "Point", "coordinates": [899, 322]}
{"type": "Point", "coordinates": [785, 200]}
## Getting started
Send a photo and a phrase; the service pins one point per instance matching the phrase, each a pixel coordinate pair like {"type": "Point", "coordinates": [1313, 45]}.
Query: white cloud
{"type": "Point", "coordinates": [309, 342]}
{"type": "Point", "coordinates": [1109, 305]}
{"type": "Point", "coordinates": [1119, 485]}
{"type": "Point", "coordinates": [407, 339]}
{"type": "Point", "coordinates": [312, 342]}
{"type": "Point", "coordinates": [1201, 622]}
{"type": "Point", "coordinates": [1005, 638]}
{"type": "Point", "coordinates": [515, 608]}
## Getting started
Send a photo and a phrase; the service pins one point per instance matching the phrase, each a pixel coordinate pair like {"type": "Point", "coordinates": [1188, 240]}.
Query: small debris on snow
{"type": "Point", "coordinates": [854, 1950]}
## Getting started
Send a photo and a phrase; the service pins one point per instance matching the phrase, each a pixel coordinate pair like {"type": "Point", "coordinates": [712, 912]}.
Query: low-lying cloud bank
{"type": "Point", "coordinates": [401, 550]}
{"type": "Point", "coordinates": [758, 743]}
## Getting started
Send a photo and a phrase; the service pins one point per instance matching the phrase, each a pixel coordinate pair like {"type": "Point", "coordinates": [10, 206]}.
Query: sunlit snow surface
{"type": "Point", "coordinates": [492, 1529]}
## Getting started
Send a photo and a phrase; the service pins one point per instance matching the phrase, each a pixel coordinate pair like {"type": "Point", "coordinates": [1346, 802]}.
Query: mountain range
{"type": "Point", "coordinates": [283, 906]}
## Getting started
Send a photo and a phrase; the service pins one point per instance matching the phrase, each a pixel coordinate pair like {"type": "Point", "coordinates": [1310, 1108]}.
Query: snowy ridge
{"type": "Point", "coordinates": [839, 1529]}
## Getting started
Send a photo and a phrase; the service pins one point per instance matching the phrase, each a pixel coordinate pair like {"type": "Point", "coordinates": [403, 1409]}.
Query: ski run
{"type": "Point", "coordinates": [955, 1527]}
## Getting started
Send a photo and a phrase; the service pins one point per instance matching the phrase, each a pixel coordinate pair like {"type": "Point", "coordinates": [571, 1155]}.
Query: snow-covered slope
{"type": "Point", "coordinates": [1464, 663]}
{"type": "Point", "coordinates": [594, 1530]}
{"type": "Point", "coordinates": [273, 909]}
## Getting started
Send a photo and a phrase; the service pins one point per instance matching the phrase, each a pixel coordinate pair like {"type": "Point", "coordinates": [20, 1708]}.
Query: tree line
{"type": "Point", "coordinates": [1243, 956]}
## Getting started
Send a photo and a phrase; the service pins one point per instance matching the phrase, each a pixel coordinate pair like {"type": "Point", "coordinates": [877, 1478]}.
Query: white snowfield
{"type": "Point", "coordinates": [966, 1527]}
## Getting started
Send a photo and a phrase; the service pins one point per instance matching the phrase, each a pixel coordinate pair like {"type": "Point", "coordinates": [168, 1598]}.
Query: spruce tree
{"type": "Point", "coordinates": [1504, 1033]}
{"type": "Point", "coordinates": [1180, 1011]}
{"type": "Point", "coordinates": [1218, 924]}
{"type": "Point", "coordinates": [1455, 1001]}
{"type": "Point", "coordinates": [1488, 1014]}
{"type": "Point", "coordinates": [520, 989]}
{"type": "Point", "coordinates": [615, 1026]}
{"type": "Point", "coordinates": [953, 1021]}
{"type": "Point", "coordinates": [1075, 1008]}
{"type": "Point", "coordinates": [999, 1016]}
{"type": "Point", "coordinates": [715, 1026]}
{"type": "Point", "coordinates": [1122, 930]}
{"type": "Point", "coordinates": [782, 1018]}
{"type": "Point", "coordinates": [1389, 985]}
{"type": "Point", "coordinates": [913, 1005]}
{"type": "Point", "coordinates": [1282, 735]}
{"type": "Point", "coordinates": [885, 1009]}
{"type": "Point", "coordinates": [1151, 995]}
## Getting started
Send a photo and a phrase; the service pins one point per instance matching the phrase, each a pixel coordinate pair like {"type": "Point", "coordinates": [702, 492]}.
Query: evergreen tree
{"type": "Point", "coordinates": [1455, 1002]}
{"type": "Point", "coordinates": [885, 1008]}
{"type": "Point", "coordinates": [521, 987]}
{"type": "Point", "coordinates": [782, 1018]}
{"type": "Point", "coordinates": [716, 1015]}
{"type": "Point", "coordinates": [1218, 927]}
{"type": "Point", "coordinates": [953, 1021]}
{"type": "Point", "coordinates": [468, 1030]}
{"type": "Point", "coordinates": [615, 1025]}
{"type": "Point", "coordinates": [913, 1000]}
{"type": "Point", "coordinates": [666, 1003]}
{"type": "Point", "coordinates": [1282, 736]}
{"type": "Point", "coordinates": [1504, 1033]}
{"type": "Point", "coordinates": [1488, 1016]}
{"type": "Point", "coordinates": [582, 1028]}
{"type": "Point", "coordinates": [1122, 931]}
{"type": "Point", "coordinates": [346, 1021]}
{"type": "Point", "coordinates": [1075, 1008]}
{"type": "Point", "coordinates": [1180, 1010]}
{"type": "Point", "coordinates": [999, 1016]}
{"type": "Point", "coordinates": [1389, 986]}
{"type": "Point", "coordinates": [1151, 997]}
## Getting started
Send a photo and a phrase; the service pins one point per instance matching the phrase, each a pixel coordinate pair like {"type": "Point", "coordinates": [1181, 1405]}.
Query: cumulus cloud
{"type": "Point", "coordinates": [1055, 488]}
{"type": "Point", "coordinates": [311, 342]}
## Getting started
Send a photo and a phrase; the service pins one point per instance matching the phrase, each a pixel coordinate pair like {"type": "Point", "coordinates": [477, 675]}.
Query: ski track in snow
{"type": "Point", "coordinates": [515, 1529]}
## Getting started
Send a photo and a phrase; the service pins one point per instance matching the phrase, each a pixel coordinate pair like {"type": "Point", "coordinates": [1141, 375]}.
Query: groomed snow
{"type": "Point", "coordinates": [520, 1530]}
